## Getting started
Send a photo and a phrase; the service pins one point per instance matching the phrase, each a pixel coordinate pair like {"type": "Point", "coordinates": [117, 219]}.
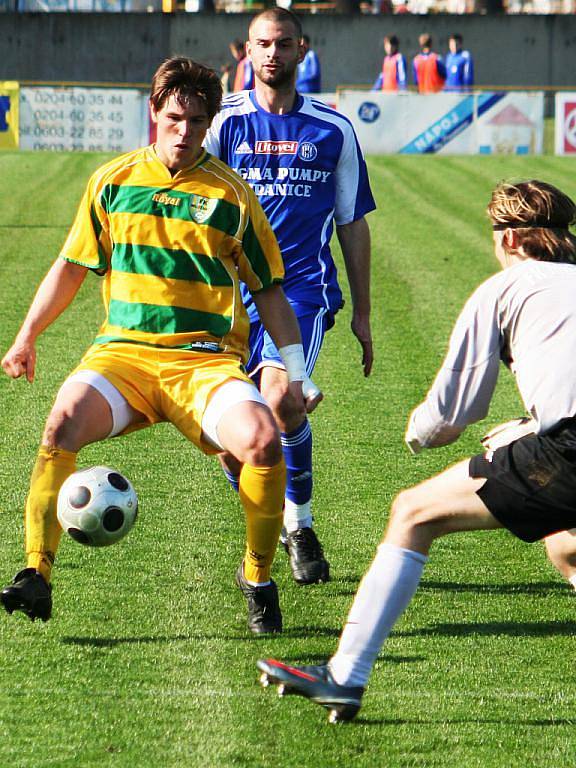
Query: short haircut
{"type": "Point", "coordinates": [456, 36]}
{"type": "Point", "coordinates": [279, 15]}
{"type": "Point", "coordinates": [547, 213]}
{"type": "Point", "coordinates": [306, 39]}
{"type": "Point", "coordinates": [425, 40]}
{"type": "Point", "coordinates": [393, 40]}
{"type": "Point", "coordinates": [183, 78]}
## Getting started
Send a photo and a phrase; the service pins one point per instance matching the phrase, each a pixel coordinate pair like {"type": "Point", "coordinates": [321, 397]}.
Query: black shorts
{"type": "Point", "coordinates": [531, 483]}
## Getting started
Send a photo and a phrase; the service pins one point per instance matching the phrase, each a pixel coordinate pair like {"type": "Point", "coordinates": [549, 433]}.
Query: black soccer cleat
{"type": "Point", "coordinates": [307, 561]}
{"type": "Point", "coordinates": [30, 594]}
{"type": "Point", "coordinates": [315, 683]}
{"type": "Point", "coordinates": [264, 615]}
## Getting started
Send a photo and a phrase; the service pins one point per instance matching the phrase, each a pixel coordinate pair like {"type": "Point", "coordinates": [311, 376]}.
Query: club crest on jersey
{"type": "Point", "coordinates": [276, 147]}
{"type": "Point", "coordinates": [201, 208]}
{"type": "Point", "coordinates": [307, 151]}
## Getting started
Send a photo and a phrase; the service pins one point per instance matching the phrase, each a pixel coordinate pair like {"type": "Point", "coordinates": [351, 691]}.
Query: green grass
{"type": "Point", "coordinates": [147, 660]}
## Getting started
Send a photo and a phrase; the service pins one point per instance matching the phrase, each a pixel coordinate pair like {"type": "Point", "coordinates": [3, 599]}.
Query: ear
{"type": "Point", "coordinates": [153, 115]}
{"type": "Point", "coordinates": [248, 49]}
{"type": "Point", "coordinates": [301, 51]}
{"type": "Point", "coordinates": [510, 239]}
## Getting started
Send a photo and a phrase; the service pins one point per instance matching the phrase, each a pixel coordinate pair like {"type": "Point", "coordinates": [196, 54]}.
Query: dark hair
{"type": "Point", "coordinates": [546, 212]}
{"type": "Point", "coordinates": [183, 78]}
{"type": "Point", "coordinates": [425, 40]}
{"type": "Point", "coordinates": [279, 15]}
{"type": "Point", "coordinates": [456, 36]}
{"type": "Point", "coordinates": [393, 40]}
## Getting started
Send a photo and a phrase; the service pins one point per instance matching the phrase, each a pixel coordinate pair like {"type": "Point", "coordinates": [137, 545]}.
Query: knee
{"type": "Point", "coordinates": [263, 447]}
{"type": "Point", "coordinates": [414, 521]}
{"type": "Point", "coordinates": [404, 512]}
{"type": "Point", "coordinates": [61, 430]}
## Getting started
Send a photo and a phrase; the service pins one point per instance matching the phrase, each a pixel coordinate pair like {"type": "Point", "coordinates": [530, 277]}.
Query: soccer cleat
{"type": "Point", "coordinates": [30, 594]}
{"type": "Point", "coordinates": [307, 561]}
{"type": "Point", "coordinates": [315, 683]}
{"type": "Point", "coordinates": [264, 615]}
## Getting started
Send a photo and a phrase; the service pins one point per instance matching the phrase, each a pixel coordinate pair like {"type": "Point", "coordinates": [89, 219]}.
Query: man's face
{"type": "Point", "coordinates": [180, 131]}
{"type": "Point", "coordinates": [389, 49]}
{"type": "Point", "coordinates": [275, 52]}
{"type": "Point", "coordinates": [453, 45]}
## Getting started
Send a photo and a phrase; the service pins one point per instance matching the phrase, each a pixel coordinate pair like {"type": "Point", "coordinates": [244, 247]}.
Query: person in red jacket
{"type": "Point", "coordinates": [393, 76]}
{"type": "Point", "coordinates": [428, 68]}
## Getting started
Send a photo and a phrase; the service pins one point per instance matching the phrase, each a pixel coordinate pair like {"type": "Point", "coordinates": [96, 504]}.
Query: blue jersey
{"type": "Point", "coordinates": [459, 71]}
{"type": "Point", "coordinates": [307, 169]}
{"type": "Point", "coordinates": [308, 75]}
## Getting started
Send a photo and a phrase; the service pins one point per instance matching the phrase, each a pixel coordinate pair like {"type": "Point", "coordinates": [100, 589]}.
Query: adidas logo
{"type": "Point", "coordinates": [244, 149]}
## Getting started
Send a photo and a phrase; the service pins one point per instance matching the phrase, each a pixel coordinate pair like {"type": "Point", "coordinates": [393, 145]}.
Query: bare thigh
{"type": "Point", "coordinates": [79, 416]}
{"type": "Point", "coordinates": [446, 503]}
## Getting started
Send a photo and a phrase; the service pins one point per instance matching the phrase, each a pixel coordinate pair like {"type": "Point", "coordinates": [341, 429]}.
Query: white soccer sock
{"type": "Point", "coordinates": [572, 580]}
{"type": "Point", "coordinates": [297, 516]}
{"type": "Point", "coordinates": [383, 594]}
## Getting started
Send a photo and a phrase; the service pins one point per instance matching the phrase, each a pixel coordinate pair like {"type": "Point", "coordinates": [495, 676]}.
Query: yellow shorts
{"type": "Point", "coordinates": [164, 384]}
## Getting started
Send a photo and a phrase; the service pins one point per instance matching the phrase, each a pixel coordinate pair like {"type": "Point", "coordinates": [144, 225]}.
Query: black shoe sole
{"type": "Point", "coordinates": [42, 608]}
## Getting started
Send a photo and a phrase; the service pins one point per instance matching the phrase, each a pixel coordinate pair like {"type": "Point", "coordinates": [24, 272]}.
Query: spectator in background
{"type": "Point", "coordinates": [225, 74]}
{"type": "Point", "coordinates": [244, 76]}
{"type": "Point", "coordinates": [459, 66]}
{"type": "Point", "coordinates": [427, 67]}
{"type": "Point", "coordinates": [308, 74]}
{"type": "Point", "coordinates": [393, 76]}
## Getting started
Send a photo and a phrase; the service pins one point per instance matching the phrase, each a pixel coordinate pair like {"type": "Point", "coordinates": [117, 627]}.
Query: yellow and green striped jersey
{"type": "Point", "coordinates": [172, 250]}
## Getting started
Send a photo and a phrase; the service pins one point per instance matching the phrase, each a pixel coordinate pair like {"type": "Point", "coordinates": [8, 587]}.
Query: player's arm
{"type": "Point", "coordinates": [354, 239]}
{"type": "Point", "coordinates": [401, 74]}
{"type": "Point", "coordinates": [279, 320]}
{"type": "Point", "coordinates": [463, 387]}
{"type": "Point", "coordinates": [56, 292]}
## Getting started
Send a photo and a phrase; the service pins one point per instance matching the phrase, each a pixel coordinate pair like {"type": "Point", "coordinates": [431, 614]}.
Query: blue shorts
{"type": "Point", "coordinates": [313, 321]}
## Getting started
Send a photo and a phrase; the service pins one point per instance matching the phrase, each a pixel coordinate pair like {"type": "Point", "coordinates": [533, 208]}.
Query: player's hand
{"type": "Point", "coordinates": [20, 360]}
{"type": "Point", "coordinates": [504, 434]}
{"type": "Point", "coordinates": [361, 329]}
{"type": "Point", "coordinates": [312, 394]}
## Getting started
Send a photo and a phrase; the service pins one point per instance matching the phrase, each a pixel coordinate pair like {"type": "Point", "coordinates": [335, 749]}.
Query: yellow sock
{"type": "Point", "coordinates": [262, 496]}
{"type": "Point", "coordinates": [43, 530]}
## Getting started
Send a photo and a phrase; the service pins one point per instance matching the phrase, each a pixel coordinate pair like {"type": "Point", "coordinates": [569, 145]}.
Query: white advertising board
{"type": "Point", "coordinates": [565, 124]}
{"type": "Point", "coordinates": [446, 123]}
{"type": "Point", "coordinates": [83, 119]}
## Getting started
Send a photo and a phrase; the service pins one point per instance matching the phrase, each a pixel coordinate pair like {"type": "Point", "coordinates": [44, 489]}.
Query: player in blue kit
{"type": "Point", "coordinates": [304, 162]}
{"type": "Point", "coordinates": [459, 66]}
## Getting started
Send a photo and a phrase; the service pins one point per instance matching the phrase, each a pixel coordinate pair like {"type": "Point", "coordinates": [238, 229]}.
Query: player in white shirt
{"type": "Point", "coordinates": [524, 316]}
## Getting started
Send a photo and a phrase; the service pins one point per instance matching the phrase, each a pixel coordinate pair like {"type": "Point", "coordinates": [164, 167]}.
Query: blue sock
{"type": "Point", "coordinates": [234, 480]}
{"type": "Point", "coordinates": [297, 447]}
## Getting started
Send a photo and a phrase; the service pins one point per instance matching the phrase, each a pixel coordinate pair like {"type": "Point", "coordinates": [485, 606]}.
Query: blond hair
{"type": "Point", "coordinates": [541, 215]}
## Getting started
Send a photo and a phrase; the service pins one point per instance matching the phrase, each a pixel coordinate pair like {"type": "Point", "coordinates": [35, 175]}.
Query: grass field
{"type": "Point", "coordinates": [147, 660]}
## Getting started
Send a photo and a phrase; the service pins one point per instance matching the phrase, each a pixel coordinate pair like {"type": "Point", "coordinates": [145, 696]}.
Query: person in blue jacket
{"type": "Point", "coordinates": [308, 75]}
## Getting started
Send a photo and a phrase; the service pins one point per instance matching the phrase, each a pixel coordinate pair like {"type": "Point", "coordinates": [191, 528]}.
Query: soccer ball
{"type": "Point", "coordinates": [97, 506]}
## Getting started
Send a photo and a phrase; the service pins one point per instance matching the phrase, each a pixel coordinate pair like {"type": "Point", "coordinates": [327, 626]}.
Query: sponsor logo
{"type": "Point", "coordinates": [368, 112]}
{"type": "Point", "coordinates": [307, 151]}
{"type": "Point", "coordinates": [4, 109]}
{"type": "Point", "coordinates": [164, 199]}
{"type": "Point", "coordinates": [243, 149]}
{"type": "Point", "coordinates": [276, 147]}
{"type": "Point", "coordinates": [201, 208]}
{"type": "Point", "coordinates": [569, 127]}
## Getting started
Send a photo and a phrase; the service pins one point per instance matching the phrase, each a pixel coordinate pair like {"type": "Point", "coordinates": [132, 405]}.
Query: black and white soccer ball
{"type": "Point", "coordinates": [97, 506]}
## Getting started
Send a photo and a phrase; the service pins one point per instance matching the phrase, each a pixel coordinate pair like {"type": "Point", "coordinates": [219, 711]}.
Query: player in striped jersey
{"type": "Point", "coordinates": [304, 162]}
{"type": "Point", "coordinates": [172, 231]}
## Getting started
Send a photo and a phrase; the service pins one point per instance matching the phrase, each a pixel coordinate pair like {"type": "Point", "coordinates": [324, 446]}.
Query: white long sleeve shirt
{"type": "Point", "coordinates": [524, 316]}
